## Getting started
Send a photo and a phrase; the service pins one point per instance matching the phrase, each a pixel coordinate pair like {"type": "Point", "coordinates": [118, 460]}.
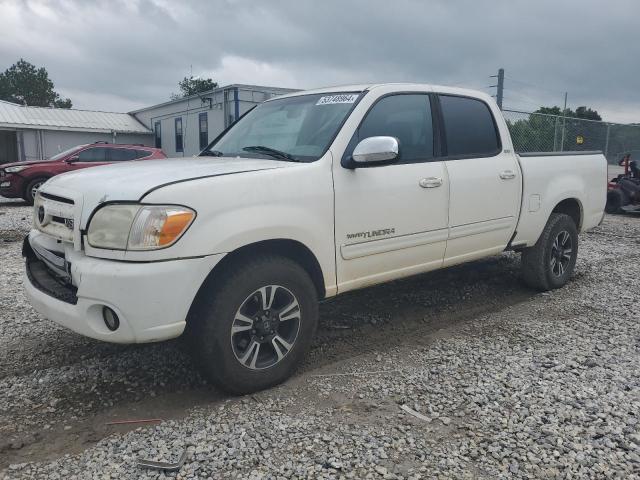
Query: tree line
{"type": "Point", "coordinates": [25, 84]}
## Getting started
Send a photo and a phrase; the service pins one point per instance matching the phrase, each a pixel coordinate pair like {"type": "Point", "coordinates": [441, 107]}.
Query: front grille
{"type": "Point", "coordinates": [56, 198]}
{"type": "Point", "coordinates": [54, 215]}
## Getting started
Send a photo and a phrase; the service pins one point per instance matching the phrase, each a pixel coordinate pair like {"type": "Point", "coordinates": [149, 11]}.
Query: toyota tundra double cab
{"type": "Point", "coordinates": [307, 196]}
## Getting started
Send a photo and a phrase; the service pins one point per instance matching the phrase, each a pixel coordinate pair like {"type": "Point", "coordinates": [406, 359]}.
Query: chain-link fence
{"type": "Point", "coordinates": [538, 132]}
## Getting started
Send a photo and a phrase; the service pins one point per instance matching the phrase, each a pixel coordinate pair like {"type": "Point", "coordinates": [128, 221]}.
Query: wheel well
{"type": "Point", "coordinates": [292, 249]}
{"type": "Point", "coordinates": [571, 207]}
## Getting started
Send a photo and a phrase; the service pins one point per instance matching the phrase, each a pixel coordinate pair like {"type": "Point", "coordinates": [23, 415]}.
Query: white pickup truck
{"type": "Point", "coordinates": [307, 196]}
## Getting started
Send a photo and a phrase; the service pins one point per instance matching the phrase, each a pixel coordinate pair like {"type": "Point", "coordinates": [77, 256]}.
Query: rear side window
{"type": "Point", "coordinates": [143, 153]}
{"type": "Point", "coordinates": [406, 117]}
{"type": "Point", "coordinates": [122, 154]}
{"type": "Point", "coordinates": [469, 127]}
{"type": "Point", "coordinates": [93, 155]}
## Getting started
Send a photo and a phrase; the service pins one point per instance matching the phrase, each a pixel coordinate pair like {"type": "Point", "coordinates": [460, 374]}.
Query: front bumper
{"type": "Point", "coordinates": [151, 299]}
{"type": "Point", "coordinates": [11, 186]}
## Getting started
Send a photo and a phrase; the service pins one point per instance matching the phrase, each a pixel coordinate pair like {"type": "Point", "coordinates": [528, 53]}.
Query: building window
{"type": "Point", "coordinates": [158, 134]}
{"type": "Point", "coordinates": [204, 130]}
{"type": "Point", "coordinates": [179, 145]}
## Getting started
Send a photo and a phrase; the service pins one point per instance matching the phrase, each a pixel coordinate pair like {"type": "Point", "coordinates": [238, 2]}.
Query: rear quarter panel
{"type": "Point", "coordinates": [548, 180]}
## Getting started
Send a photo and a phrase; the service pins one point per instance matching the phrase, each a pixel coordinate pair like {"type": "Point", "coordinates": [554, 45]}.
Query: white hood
{"type": "Point", "coordinates": [131, 181]}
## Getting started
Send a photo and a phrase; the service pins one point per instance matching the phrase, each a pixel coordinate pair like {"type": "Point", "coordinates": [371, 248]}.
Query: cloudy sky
{"type": "Point", "coordinates": [121, 55]}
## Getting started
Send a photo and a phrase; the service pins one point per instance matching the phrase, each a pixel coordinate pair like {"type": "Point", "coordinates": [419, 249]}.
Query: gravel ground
{"type": "Point", "coordinates": [508, 383]}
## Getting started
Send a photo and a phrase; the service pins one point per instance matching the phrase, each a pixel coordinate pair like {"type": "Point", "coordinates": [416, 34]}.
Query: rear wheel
{"type": "Point", "coordinates": [32, 188]}
{"type": "Point", "coordinates": [550, 262]}
{"type": "Point", "coordinates": [252, 329]}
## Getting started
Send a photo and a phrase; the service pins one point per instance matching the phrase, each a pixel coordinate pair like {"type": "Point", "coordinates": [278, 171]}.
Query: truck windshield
{"type": "Point", "coordinates": [295, 129]}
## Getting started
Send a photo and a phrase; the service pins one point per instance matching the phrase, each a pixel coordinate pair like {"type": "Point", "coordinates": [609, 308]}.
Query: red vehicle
{"type": "Point", "coordinates": [623, 191]}
{"type": "Point", "coordinates": [22, 179]}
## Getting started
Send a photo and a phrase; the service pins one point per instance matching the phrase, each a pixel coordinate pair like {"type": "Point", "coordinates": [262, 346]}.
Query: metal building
{"type": "Point", "coordinates": [183, 127]}
{"type": "Point", "coordinates": [36, 133]}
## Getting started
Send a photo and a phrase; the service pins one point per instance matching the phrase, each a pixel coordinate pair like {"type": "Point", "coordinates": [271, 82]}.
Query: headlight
{"type": "Point", "coordinates": [138, 227]}
{"type": "Point", "coordinates": [15, 169]}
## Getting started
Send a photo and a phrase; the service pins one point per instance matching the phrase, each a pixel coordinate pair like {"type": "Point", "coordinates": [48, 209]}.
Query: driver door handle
{"type": "Point", "coordinates": [507, 174]}
{"type": "Point", "coordinates": [430, 182]}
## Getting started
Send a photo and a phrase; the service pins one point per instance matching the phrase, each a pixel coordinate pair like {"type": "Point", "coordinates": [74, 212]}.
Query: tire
{"type": "Point", "coordinates": [32, 186]}
{"type": "Point", "coordinates": [231, 361]}
{"type": "Point", "coordinates": [615, 201]}
{"type": "Point", "coordinates": [549, 264]}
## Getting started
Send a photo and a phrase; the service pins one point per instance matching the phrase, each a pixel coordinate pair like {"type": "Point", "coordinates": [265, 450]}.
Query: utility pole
{"type": "Point", "coordinates": [499, 87]}
{"type": "Point", "coordinates": [564, 121]}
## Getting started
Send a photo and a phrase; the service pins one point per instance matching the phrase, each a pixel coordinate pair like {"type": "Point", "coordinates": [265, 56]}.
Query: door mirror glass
{"type": "Point", "coordinates": [72, 159]}
{"type": "Point", "coordinates": [375, 150]}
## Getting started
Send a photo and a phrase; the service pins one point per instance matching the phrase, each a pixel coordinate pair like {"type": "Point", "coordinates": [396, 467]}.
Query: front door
{"type": "Point", "coordinates": [90, 157]}
{"type": "Point", "coordinates": [391, 220]}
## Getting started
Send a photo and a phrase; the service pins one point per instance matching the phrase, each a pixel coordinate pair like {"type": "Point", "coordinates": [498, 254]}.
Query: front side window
{"type": "Point", "coordinates": [298, 128]}
{"type": "Point", "coordinates": [469, 127]}
{"type": "Point", "coordinates": [178, 125]}
{"type": "Point", "coordinates": [122, 154]}
{"type": "Point", "coordinates": [157, 131]}
{"type": "Point", "coordinates": [407, 117]}
{"type": "Point", "coordinates": [97, 154]}
{"type": "Point", "coordinates": [203, 124]}
{"type": "Point", "coordinates": [60, 155]}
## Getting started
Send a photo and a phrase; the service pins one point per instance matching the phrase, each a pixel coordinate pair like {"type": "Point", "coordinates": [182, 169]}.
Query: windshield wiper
{"type": "Point", "coordinates": [211, 153]}
{"type": "Point", "coordinates": [272, 152]}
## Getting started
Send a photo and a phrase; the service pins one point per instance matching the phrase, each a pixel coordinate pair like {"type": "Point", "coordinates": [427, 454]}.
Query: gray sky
{"type": "Point", "coordinates": [121, 55]}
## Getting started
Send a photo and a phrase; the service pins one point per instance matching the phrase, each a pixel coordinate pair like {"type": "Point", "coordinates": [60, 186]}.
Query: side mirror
{"type": "Point", "coordinates": [72, 159]}
{"type": "Point", "coordinates": [375, 150]}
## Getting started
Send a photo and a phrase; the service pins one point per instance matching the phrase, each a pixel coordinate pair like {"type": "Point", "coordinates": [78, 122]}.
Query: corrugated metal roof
{"type": "Point", "coordinates": [241, 86]}
{"type": "Point", "coordinates": [17, 116]}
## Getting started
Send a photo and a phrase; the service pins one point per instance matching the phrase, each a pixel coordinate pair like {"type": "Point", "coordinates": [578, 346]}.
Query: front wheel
{"type": "Point", "coordinates": [32, 188]}
{"type": "Point", "coordinates": [550, 262]}
{"type": "Point", "coordinates": [252, 328]}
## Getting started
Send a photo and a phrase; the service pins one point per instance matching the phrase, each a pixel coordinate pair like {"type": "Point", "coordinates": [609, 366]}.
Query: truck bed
{"type": "Point", "coordinates": [552, 177]}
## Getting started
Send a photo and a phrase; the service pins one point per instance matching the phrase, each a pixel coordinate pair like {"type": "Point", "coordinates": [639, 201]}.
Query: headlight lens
{"type": "Point", "coordinates": [15, 169]}
{"type": "Point", "coordinates": [157, 227]}
{"type": "Point", "coordinates": [138, 227]}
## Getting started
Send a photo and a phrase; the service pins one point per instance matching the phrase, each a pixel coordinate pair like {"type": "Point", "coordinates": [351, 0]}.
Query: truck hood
{"type": "Point", "coordinates": [131, 181]}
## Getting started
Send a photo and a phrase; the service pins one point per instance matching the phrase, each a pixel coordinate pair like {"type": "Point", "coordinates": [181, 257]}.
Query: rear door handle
{"type": "Point", "coordinates": [430, 182]}
{"type": "Point", "coordinates": [507, 174]}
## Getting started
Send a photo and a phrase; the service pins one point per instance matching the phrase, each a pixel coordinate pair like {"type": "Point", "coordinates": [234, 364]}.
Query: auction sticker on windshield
{"type": "Point", "coordinates": [343, 98]}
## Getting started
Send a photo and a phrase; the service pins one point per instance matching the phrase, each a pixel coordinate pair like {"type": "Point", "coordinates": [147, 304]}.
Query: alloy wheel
{"type": "Point", "coordinates": [265, 327]}
{"type": "Point", "coordinates": [561, 252]}
{"type": "Point", "coordinates": [35, 188]}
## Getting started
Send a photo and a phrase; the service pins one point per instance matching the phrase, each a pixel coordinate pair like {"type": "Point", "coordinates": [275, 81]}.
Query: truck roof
{"type": "Point", "coordinates": [370, 86]}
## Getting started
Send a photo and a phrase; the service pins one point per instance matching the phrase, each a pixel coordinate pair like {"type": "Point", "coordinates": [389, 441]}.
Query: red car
{"type": "Point", "coordinates": [22, 179]}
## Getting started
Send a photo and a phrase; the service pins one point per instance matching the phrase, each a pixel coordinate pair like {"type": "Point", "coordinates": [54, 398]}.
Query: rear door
{"type": "Point", "coordinates": [391, 220]}
{"type": "Point", "coordinates": [121, 154]}
{"type": "Point", "coordinates": [485, 183]}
